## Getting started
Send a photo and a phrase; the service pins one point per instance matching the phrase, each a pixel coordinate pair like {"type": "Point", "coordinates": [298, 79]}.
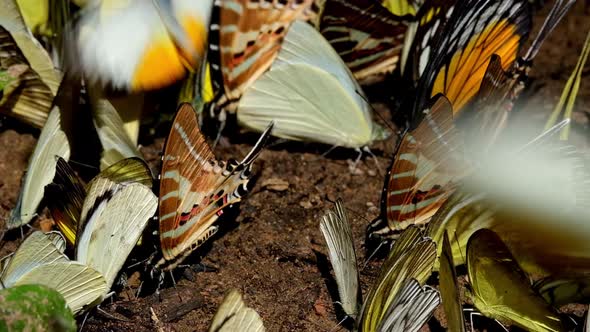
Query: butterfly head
{"type": "Point", "coordinates": [379, 133]}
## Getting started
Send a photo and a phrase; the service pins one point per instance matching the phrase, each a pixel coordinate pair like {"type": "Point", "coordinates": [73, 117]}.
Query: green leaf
{"type": "Point", "coordinates": [34, 308]}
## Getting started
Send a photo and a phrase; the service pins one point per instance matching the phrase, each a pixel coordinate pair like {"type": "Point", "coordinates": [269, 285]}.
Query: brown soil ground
{"type": "Point", "coordinates": [273, 252]}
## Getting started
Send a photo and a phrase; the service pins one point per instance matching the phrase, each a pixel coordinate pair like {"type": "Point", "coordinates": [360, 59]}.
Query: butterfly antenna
{"type": "Point", "coordinates": [260, 144]}
{"type": "Point", "coordinates": [387, 122]}
{"type": "Point", "coordinates": [546, 134]}
{"type": "Point", "coordinates": [557, 12]}
{"type": "Point", "coordinates": [371, 255]}
{"type": "Point", "coordinates": [94, 168]}
{"type": "Point", "coordinates": [339, 325]}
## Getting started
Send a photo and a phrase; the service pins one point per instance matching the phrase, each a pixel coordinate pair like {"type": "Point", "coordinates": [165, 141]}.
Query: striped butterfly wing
{"type": "Point", "coordinates": [26, 96]}
{"type": "Point", "coordinates": [458, 59]}
{"type": "Point", "coordinates": [246, 36]}
{"type": "Point", "coordinates": [195, 187]}
{"type": "Point", "coordinates": [425, 169]}
{"type": "Point", "coordinates": [365, 34]}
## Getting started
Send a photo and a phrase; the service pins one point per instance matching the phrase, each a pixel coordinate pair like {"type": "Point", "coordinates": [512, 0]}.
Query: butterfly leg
{"type": "Point", "coordinates": [374, 157]}
{"type": "Point", "coordinates": [352, 167]}
{"type": "Point", "coordinates": [222, 119]}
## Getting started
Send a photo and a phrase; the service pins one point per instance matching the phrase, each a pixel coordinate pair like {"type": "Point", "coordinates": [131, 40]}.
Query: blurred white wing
{"type": "Point", "coordinates": [114, 216]}
{"type": "Point", "coordinates": [140, 44]}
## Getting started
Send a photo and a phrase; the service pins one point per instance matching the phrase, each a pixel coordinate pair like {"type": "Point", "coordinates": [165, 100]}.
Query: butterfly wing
{"type": "Point", "coordinates": [458, 59]}
{"type": "Point", "coordinates": [365, 34]}
{"type": "Point", "coordinates": [116, 143]}
{"type": "Point", "coordinates": [501, 290]}
{"type": "Point", "coordinates": [80, 285]}
{"type": "Point", "coordinates": [65, 197]}
{"type": "Point", "coordinates": [234, 315]}
{"type": "Point", "coordinates": [246, 36]}
{"type": "Point", "coordinates": [39, 261]}
{"type": "Point", "coordinates": [28, 97]}
{"type": "Point", "coordinates": [194, 187]}
{"type": "Point", "coordinates": [37, 249]}
{"type": "Point", "coordinates": [411, 308]}
{"type": "Point", "coordinates": [328, 109]}
{"type": "Point", "coordinates": [52, 142]}
{"type": "Point", "coordinates": [428, 162]}
{"type": "Point", "coordinates": [113, 218]}
{"type": "Point", "coordinates": [449, 290]}
{"type": "Point", "coordinates": [140, 45]}
{"type": "Point", "coordinates": [415, 260]}
{"type": "Point", "coordinates": [338, 234]}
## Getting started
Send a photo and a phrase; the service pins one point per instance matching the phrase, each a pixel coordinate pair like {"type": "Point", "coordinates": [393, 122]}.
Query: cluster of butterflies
{"type": "Point", "coordinates": [292, 69]}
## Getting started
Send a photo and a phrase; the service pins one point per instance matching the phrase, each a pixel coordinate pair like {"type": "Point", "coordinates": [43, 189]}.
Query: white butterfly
{"type": "Point", "coordinates": [310, 94]}
{"type": "Point", "coordinates": [39, 261]}
{"type": "Point", "coordinates": [234, 315]}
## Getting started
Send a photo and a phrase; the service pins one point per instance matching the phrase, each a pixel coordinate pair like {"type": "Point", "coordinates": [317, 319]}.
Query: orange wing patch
{"type": "Point", "coordinates": [160, 66]}
{"type": "Point", "coordinates": [460, 81]}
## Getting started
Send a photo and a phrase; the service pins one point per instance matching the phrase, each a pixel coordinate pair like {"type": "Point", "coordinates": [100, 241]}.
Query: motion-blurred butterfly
{"type": "Point", "coordinates": [195, 187]}
{"type": "Point", "coordinates": [140, 45]}
{"type": "Point", "coordinates": [245, 38]}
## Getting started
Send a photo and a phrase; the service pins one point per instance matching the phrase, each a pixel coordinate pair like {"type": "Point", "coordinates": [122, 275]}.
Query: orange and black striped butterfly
{"type": "Point", "coordinates": [245, 38]}
{"type": "Point", "coordinates": [455, 62]}
{"type": "Point", "coordinates": [365, 34]}
{"type": "Point", "coordinates": [195, 187]}
{"type": "Point", "coordinates": [487, 116]}
{"type": "Point", "coordinates": [428, 163]}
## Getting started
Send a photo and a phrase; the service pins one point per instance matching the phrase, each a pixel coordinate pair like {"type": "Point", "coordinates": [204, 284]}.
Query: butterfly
{"type": "Point", "coordinates": [140, 45]}
{"type": "Point", "coordinates": [195, 187]}
{"type": "Point", "coordinates": [449, 290]}
{"type": "Point", "coordinates": [336, 229]}
{"type": "Point", "coordinates": [52, 142]}
{"type": "Point", "coordinates": [455, 62]}
{"type": "Point", "coordinates": [427, 165]}
{"type": "Point", "coordinates": [245, 38]}
{"type": "Point", "coordinates": [67, 193]}
{"type": "Point", "coordinates": [310, 95]}
{"type": "Point", "coordinates": [234, 315]}
{"type": "Point", "coordinates": [113, 217]}
{"type": "Point", "coordinates": [365, 34]}
{"type": "Point", "coordinates": [34, 78]}
{"type": "Point", "coordinates": [39, 261]}
{"type": "Point", "coordinates": [488, 115]}
{"type": "Point", "coordinates": [116, 143]}
{"type": "Point", "coordinates": [397, 301]}
{"type": "Point", "coordinates": [501, 290]}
